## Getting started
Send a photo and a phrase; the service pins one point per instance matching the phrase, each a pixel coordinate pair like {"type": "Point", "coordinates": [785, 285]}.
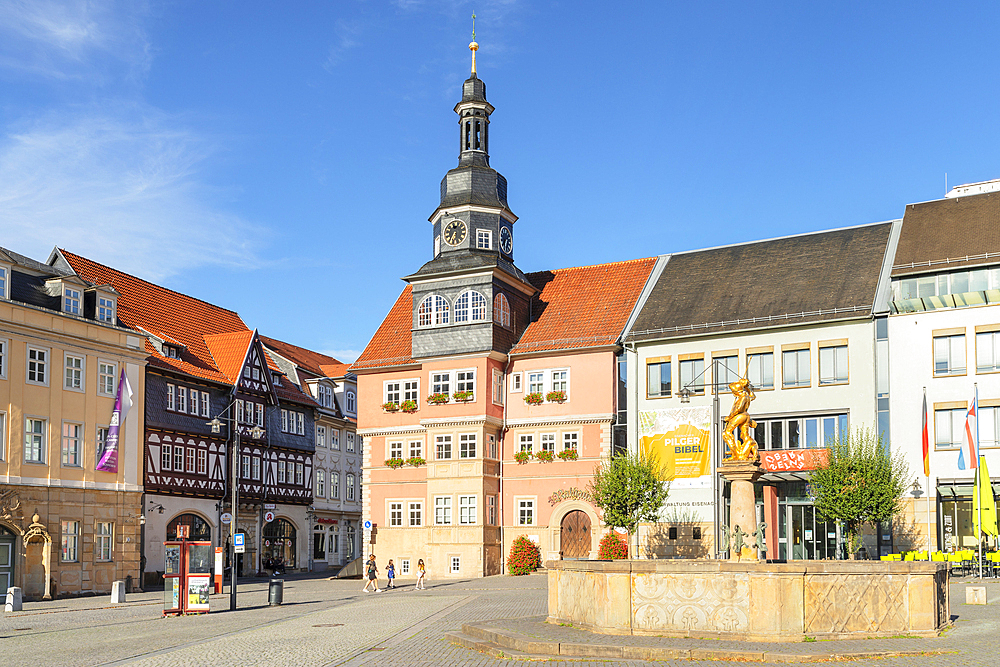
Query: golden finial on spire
{"type": "Point", "coordinates": [473, 46]}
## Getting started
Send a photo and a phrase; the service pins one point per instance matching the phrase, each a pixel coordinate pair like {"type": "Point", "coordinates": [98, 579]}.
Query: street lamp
{"type": "Point", "coordinates": [256, 432]}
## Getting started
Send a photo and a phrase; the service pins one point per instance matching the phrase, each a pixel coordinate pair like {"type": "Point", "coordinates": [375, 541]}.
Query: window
{"type": "Point", "coordinates": [949, 355]}
{"type": "Point", "coordinates": [203, 462]}
{"type": "Point", "coordinates": [525, 512]}
{"type": "Point", "coordinates": [548, 442]}
{"type": "Point", "coordinates": [193, 403]}
{"type": "Point", "coordinates": [658, 378]}
{"type": "Point", "coordinates": [728, 369]}
{"type": "Point", "coordinates": [189, 460]}
{"type": "Point", "coordinates": [335, 484]}
{"type": "Point", "coordinates": [178, 458]}
{"type": "Point", "coordinates": [416, 514]}
{"type": "Point", "coordinates": [456, 564]}
{"type": "Point", "coordinates": [300, 474]}
{"type": "Point", "coordinates": [254, 467]}
{"type": "Point", "coordinates": [284, 421]}
{"type": "Point", "coordinates": [71, 437]}
{"type": "Point", "coordinates": [559, 381]}
{"type": "Point", "coordinates": [282, 472]}
{"type": "Point", "coordinates": [171, 351]}
{"type": "Point", "coordinates": [206, 408]}
{"type": "Point", "coordinates": [34, 440]}
{"type": "Point", "coordinates": [416, 449]}
{"type": "Point", "coordinates": [515, 383]}
{"type": "Point", "coordinates": [443, 450]}
{"type": "Point", "coordinates": [987, 352]}
{"type": "Point", "coordinates": [672, 533]}
{"type": "Point", "coordinates": [182, 400]}
{"type": "Point", "coordinates": [396, 514]}
{"type": "Point", "coordinates": [484, 239]}
{"type": "Point", "coordinates": [693, 374]}
{"type": "Point", "coordinates": [989, 426]}
{"type": "Point", "coordinates": [102, 442]}
{"type": "Point", "coordinates": [467, 510]}
{"type": "Point", "coordinates": [470, 306]}
{"type": "Point", "coordinates": [404, 566]}
{"type": "Point", "coordinates": [497, 388]}
{"type": "Point", "coordinates": [166, 457]}
{"type": "Point", "coordinates": [320, 483]}
{"type": "Point", "coordinates": [527, 443]}
{"type": "Point", "coordinates": [70, 541]}
{"type": "Point", "coordinates": [411, 391]}
{"type": "Point", "coordinates": [260, 414]}
{"type": "Point", "coordinates": [3, 357]}
{"type": "Point", "coordinates": [321, 436]}
{"type": "Point", "coordinates": [71, 301]}
{"type": "Point", "coordinates": [300, 423]}
{"type": "Point", "coordinates": [105, 309]}
{"type": "Point", "coordinates": [245, 467]}
{"type": "Point", "coordinates": [350, 442]}
{"type": "Point", "coordinates": [799, 433]}
{"type": "Point", "coordinates": [395, 450]}
{"type": "Point", "coordinates": [536, 383]}
{"type": "Point", "coordinates": [441, 383]}
{"type": "Point", "coordinates": [467, 446]}
{"type": "Point", "coordinates": [571, 440]}
{"type": "Point", "coordinates": [466, 381]}
{"type": "Point", "coordinates": [391, 394]}
{"type": "Point", "coordinates": [171, 397]}
{"type": "Point", "coordinates": [335, 438]}
{"type": "Point", "coordinates": [833, 365]}
{"type": "Point", "coordinates": [350, 486]}
{"type": "Point", "coordinates": [493, 446]}
{"type": "Point", "coordinates": [3, 283]}
{"type": "Point", "coordinates": [103, 539]}
{"type": "Point", "coordinates": [760, 370]}
{"type": "Point", "coordinates": [795, 368]}
{"type": "Point", "coordinates": [325, 395]}
{"type": "Point", "coordinates": [442, 510]}
{"type": "Point", "coordinates": [38, 360]}
{"type": "Point", "coordinates": [501, 311]}
{"type": "Point", "coordinates": [949, 428]}
{"type": "Point", "coordinates": [433, 311]}
{"type": "Point", "coordinates": [491, 510]}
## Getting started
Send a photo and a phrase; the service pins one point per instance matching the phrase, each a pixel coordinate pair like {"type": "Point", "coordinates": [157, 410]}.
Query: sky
{"type": "Point", "coordinates": [281, 159]}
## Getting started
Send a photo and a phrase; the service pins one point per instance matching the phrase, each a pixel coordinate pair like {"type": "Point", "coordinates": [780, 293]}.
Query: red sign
{"type": "Point", "coordinates": [183, 532]}
{"type": "Point", "coordinates": [789, 460]}
{"type": "Point", "coordinates": [321, 520]}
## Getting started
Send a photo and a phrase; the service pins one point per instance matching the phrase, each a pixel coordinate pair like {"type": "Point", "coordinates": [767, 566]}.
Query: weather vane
{"type": "Point", "coordinates": [473, 26]}
{"type": "Point", "coordinates": [473, 46]}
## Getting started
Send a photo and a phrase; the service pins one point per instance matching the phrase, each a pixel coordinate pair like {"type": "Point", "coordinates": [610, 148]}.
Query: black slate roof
{"type": "Point", "coordinates": [463, 260]}
{"type": "Point", "coordinates": [793, 280]}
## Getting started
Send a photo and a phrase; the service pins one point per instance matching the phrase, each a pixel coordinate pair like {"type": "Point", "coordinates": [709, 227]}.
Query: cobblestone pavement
{"type": "Point", "coordinates": [332, 623]}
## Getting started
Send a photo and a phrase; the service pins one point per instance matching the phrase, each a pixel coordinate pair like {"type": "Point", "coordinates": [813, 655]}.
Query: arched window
{"type": "Point", "coordinates": [501, 310]}
{"type": "Point", "coordinates": [433, 311]}
{"type": "Point", "coordinates": [279, 542]}
{"type": "Point", "coordinates": [470, 305]}
{"type": "Point", "coordinates": [200, 530]}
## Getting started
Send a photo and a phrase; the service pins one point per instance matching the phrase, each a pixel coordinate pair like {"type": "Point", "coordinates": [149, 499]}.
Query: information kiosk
{"type": "Point", "coordinates": [187, 575]}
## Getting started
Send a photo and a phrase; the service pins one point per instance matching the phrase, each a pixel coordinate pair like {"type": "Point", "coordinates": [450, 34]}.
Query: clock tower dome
{"type": "Point", "coordinates": [471, 284]}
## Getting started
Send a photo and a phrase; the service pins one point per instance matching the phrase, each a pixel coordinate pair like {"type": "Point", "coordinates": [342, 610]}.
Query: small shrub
{"type": "Point", "coordinates": [522, 457]}
{"type": "Point", "coordinates": [437, 399]}
{"type": "Point", "coordinates": [390, 406]}
{"type": "Point", "coordinates": [408, 406]}
{"type": "Point", "coordinates": [395, 462]}
{"type": "Point", "coordinates": [534, 398]}
{"type": "Point", "coordinates": [524, 557]}
{"type": "Point", "coordinates": [415, 461]}
{"type": "Point", "coordinates": [545, 455]}
{"type": "Point", "coordinates": [568, 455]}
{"type": "Point", "coordinates": [612, 547]}
{"type": "Point", "coordinates": [555, 396]}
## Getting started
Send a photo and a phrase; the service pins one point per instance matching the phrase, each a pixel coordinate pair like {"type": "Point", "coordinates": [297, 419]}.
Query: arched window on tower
{"type": "Point", "coordinates": [470, 306]}
{"type": "Point", "coordinates": [501, 310]}
{"type": "Point", "coordinates": [433, 311]}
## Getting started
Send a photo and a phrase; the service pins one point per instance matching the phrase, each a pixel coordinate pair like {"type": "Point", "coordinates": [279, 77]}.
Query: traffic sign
{"type": "Point", "coordinates": [239, 541]}
{"type": "Point", "coordinates": [268, 517]}
{"type": "Point", "coordinates": [368, 525]}
{"type": "Point", "coordinates": [227, 518]}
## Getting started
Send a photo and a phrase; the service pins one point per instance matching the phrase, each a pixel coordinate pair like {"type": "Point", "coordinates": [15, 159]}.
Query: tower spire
{"type": "Point", "coordinates": [473, 46]}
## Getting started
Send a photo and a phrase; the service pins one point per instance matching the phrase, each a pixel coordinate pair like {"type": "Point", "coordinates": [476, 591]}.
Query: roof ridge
{"type": "Point", "coordinates": [151, 284]}
{"type": "Point", "coordinates": [593, 266]}
{"type": "Point", "coordinates": [786, 236]}
{"type": "Point", "coordinates": [299, 347]}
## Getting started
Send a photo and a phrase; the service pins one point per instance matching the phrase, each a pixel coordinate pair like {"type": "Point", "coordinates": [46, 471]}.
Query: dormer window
{"type": "Point", "coordinates": [276, 378]}
{"type": "Point", "coordinates": [105, 309]}
{"type": "Point", "coordinates": [4, 282]}
{"type": "Point", "coordinates": [352, 402]}
{"type": "Point", "coordinates": [171, 351]}
{"type": "Point", "coordinates": [324, 395]}
{"type": "Point", "coordinates": [71, 300]}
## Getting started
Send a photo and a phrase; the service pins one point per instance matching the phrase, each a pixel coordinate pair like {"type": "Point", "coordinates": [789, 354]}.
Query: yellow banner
{"type": "Point", "coordinates": [680, 439]}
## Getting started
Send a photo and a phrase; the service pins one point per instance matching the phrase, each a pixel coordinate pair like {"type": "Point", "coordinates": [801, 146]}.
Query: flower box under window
{"type": "Point", "coordinates": [568, 455]}
{"type": "Point", "coordinates": [556, 397]}
{"type": "Point", "coordinates": [534, 398]}
{"type": "Point", "coordinates": [522, 457]}
{"type": "Point", "coordinates": [415, 461]}
{"type": "Point", "coordinates": [545, 455]}
{"type": "Point", "coordinates": [408, 406]}
{"type": "Point", "coordinates": [395, 462]}
{"type": "Point", "coordinates": [437, 399]}
{"type": "Point", "coordinates": [462, 396]}
{"type": "Point", "coordinates": [390, 406]}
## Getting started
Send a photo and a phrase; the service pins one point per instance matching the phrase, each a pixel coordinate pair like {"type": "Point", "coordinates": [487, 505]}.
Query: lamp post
{"type": "Point", "coordinates": [256, 432]}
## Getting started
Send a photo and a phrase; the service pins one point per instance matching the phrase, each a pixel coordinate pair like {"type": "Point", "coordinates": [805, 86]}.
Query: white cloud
{"type": "Point", "coordinates": [118, 186]}
{"type": "Point", "coordinates": [348, 34]}
{"type": "Point", "coordinates": [345, 356]}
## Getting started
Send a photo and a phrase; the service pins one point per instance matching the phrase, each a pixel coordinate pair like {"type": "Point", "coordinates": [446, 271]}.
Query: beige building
{"type": "Point", "coordinates": [65, 527]}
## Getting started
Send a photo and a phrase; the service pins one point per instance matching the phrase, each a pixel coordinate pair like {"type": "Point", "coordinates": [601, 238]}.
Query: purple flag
{"type": "Point", "coordinates": [123, 403]}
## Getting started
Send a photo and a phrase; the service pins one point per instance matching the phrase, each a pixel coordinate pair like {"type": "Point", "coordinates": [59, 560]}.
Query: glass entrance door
{"type": "Point", "coordinates": [802, 537]}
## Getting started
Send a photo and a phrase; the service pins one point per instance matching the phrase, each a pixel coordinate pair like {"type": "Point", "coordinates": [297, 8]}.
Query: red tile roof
{"type": "Point", "coordinates": [391, 344]}
{"type": "Point", "coordinates": [230, 352]}
{"type": "Point", "coordinates": [314, 362]}
{"type": "Point", "coordinates": [586, 306]}
{"type": "Point", "coordinates": [581, 307]}
{"type": "Point", "coordinates": [335, 370]}
{"type": "Point", "coordinates": [166, 314]}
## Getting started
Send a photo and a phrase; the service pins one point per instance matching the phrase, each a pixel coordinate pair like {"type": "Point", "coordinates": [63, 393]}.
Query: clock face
{"type": "Point", "coordinates": [454, 232]}
{"type": "Point", "coordinates": [505, 239]}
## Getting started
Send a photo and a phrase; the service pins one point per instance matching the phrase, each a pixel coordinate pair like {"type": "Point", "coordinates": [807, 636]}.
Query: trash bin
{"type": "Point", "coordinates": [275, 592]}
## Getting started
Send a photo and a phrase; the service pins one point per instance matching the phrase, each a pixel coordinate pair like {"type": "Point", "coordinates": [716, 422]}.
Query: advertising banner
{"type": "Point", "coordinates": [680, 438]}
{"type": "Point", "coordinates": [123, 403]}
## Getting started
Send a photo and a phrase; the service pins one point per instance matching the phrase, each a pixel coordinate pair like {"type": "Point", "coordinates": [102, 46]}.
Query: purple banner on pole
{"type": "Point", "coordinates": [123, 403]}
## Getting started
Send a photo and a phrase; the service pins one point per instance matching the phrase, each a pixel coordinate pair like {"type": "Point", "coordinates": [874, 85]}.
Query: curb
{"type": "Point", "coordinates": [503, 643]}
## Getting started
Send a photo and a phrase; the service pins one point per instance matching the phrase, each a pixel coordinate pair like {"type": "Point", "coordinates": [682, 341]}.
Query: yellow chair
{"type": "Point", "coordinates": [908, 557]}
{"type": "Point", "coordinates": [938, 557]}
{"type": "Point", "coordinates": [885, 558]}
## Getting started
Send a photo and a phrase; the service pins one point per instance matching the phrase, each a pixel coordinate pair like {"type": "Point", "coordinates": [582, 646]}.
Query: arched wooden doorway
{"type": "Point", "coordinates": [574, 535]}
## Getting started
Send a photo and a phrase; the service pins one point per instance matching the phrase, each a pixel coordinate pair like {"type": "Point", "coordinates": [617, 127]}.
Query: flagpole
{"type": "Point", "coordinates": [928, 483]}
{"type": "Point", "coordinates": [979, 487]}
{"type": "Point", "coordinates": [927, 472]}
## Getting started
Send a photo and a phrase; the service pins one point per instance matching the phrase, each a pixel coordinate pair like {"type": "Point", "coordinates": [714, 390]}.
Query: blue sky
{"type": "Point", "coordinates": [281, 159]}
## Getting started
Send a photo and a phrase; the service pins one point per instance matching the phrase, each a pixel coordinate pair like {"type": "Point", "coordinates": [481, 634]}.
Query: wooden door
{"type": "Point", "coordinates": [574, 535]}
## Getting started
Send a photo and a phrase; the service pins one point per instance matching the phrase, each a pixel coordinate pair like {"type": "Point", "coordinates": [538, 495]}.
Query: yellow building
{"type": "Point", "coordinates": [65, 527]}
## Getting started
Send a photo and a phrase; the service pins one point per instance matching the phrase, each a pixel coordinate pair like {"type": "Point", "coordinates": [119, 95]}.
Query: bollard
{"type": "Point", "coordinates": [275, 592]}
{"type": "Point", "coordinates": [117, 592]}
{"type": "Point", "coordinates": [13, 599]}
{"type": "Point", "coordinates": [975, 595]}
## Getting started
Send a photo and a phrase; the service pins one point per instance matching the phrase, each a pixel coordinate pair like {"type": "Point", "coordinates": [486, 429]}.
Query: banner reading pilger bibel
{"type": "Point", "coordinates": [680, 438]}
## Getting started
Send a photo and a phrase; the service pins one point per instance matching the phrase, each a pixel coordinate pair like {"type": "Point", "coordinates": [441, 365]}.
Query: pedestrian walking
{"type": "Point", "coordinates": [390, 573]}
{"type": "Point", "coordinates": [421, 571]}
{"type": "Point", "coordinates": [372, 576]}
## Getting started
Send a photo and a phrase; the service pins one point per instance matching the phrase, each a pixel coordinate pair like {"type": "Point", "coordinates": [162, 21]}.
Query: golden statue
{"type": "Point", "coordinates": [744, 449]}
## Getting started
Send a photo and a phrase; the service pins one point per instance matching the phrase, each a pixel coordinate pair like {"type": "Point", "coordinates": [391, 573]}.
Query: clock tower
{"type": "Point", "coordinates": [470, 297]}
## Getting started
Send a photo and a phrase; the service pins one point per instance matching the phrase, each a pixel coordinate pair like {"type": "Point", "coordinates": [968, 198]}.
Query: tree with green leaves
{"type": "Point", "coordinates": [629, 488]}
{"type": "Point", "coordinates": [861, 482]}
